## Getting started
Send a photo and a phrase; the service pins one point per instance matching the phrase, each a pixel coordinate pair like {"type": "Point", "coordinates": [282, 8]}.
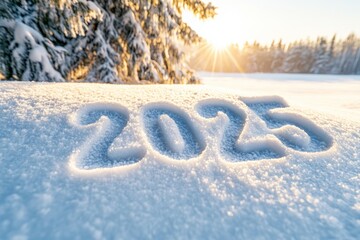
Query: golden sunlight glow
{"type": "Point", "coordinates": [224, 29]}
{"type": "Point", "coordinates": [240, 21]}
{"type": "Point", "coordinates": [209, 56]}
{"type": "Point", "coordinates": [218, 44]}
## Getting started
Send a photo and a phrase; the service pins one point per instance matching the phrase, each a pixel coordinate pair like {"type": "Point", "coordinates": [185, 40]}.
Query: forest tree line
{"type": "Point", "coordinates": [320, 56]}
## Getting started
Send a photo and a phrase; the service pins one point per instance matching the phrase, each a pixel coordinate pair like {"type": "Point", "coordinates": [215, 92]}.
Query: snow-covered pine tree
{"type": "Point", "coordinates": [251, 55]}
{"type": "Point", "coordinates": [266, 57]}
{"type": "Point", "coordinates": [28, 32]}
{"type": "Point", "coordinates": [138, 40]}
{"type": "Point", "coordinates": [291, 59]}
{"type": "Point", "coordinates": [356, 62]}
{"type": "Point", "coordinates": [333, 68]}
{"type": "Point", "coordinates": [321, 63]}
{"type": "Point", "coordinates": [278, 56]}
{"type": "Point", "coordinates": [104, 40]}
{"type": "Point", "coordinates": [347, 57]}
{"type": "Point", "coordinates": [5, 69]}
{"type": "Point", "coordinates": [299, 58]}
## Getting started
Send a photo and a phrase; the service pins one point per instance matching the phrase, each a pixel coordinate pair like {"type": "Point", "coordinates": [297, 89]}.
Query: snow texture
{"type": "Point", "coordinates": [171, 133]}
{"type": "Point", "coordinates": [96, 161]}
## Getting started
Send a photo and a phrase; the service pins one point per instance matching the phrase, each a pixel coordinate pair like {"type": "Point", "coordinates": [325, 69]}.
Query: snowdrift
{"type": "Point", "coordinates": [93, 161]}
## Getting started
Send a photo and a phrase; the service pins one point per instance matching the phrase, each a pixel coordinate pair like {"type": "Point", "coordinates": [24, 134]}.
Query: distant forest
{"type": "Point", "coordinates": [320, 56]}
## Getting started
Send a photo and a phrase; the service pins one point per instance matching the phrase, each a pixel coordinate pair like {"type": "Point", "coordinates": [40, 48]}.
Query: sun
{"type": "Point", "coordinates": [220, 31]}
{"type": "Point", "coordinates": [217, 44]}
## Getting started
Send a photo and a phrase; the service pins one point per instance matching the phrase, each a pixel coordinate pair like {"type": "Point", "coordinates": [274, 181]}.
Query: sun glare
{"type": "Point", "coordinates": [220, 31]}
{"type": "Point", "coordinates": [217, 44]}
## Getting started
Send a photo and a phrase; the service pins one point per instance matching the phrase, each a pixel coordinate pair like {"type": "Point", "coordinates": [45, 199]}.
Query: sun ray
{"type": "Point", "coordinates": [215, 61]}
{"type": "Point", "coordinates": [234, 61]}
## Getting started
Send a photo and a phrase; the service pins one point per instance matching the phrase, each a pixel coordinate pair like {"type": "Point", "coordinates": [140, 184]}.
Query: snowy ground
{"type": "Point", "coordinates": [332, 94]}
{"type": "Point", "coordinates": [226, 160]}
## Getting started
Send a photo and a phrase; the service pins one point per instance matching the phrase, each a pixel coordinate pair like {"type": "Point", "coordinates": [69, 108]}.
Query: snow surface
{"type": "Point", "coordinates": [96, 161]}
{"type": "Point", "coordinates": [171, 134]}
{"type": "Point", "coordinates": [337, 95]}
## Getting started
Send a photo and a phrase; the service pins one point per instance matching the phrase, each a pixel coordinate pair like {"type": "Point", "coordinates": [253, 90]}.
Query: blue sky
{"type": "Point", "coordinates": [264, 20]}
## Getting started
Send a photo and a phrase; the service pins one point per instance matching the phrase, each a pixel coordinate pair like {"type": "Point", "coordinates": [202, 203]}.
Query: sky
{"type": "Point", "coordinates": [265, 20]}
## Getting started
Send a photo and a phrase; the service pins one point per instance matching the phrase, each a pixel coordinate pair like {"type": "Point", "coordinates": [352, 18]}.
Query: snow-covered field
{"type": "Point", "coordinates": [225, 160]}
{"type": "Point", "coordinates": [337, 95]}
